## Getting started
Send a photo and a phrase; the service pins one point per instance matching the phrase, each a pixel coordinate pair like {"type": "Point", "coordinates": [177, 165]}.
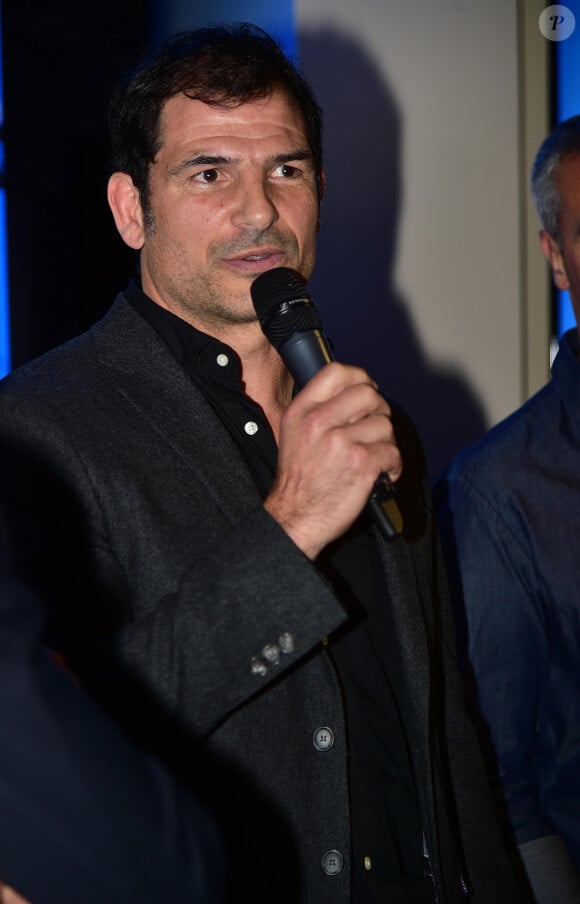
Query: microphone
{"type": "Point", "coordinates": [291, 322]}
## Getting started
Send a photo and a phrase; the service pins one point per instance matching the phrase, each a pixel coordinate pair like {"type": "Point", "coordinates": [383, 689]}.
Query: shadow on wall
{"type": "Point", "coordinates": [366, 319]}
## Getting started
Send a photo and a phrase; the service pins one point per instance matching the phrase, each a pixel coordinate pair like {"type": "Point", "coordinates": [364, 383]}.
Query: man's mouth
{"type": "Point", "coordinates": [256, 261]}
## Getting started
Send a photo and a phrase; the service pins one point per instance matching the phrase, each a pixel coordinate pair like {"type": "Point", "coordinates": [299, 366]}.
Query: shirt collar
{"type": "Point", "coordinates": [194, 350]}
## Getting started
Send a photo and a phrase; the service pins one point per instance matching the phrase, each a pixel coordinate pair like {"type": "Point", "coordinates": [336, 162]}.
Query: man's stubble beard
{"type": "Point", "coordinates": [194, 296]}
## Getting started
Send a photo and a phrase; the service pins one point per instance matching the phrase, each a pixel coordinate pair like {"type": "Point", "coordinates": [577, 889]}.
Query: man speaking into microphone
{"type": "Point", "coordinates": [215, 525]}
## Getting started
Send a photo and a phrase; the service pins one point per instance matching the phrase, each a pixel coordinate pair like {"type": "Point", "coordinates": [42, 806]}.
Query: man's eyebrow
{"type": "Point", "coordinates": [299, 154]}
{"type": "Point", "coordinates": [217, 160]}
{"type": "Point", "coordinates": [199, 160]}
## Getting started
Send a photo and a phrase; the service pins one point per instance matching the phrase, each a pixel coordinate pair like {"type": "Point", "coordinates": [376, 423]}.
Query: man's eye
{"type": "Point", "coordinates": [286, 171]}
{"type": "Point", "coordinates": [208, 175]}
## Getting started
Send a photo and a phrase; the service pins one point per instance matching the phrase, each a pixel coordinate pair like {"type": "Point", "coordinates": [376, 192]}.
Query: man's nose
{"type": "Point", "coordinates": [254, 207]}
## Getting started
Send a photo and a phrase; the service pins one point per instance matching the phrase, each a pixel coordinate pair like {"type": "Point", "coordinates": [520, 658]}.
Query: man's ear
{"type": "Point", "coordinates": [553, 253]}
{"type": "Point", "coordinates": [125, 205]}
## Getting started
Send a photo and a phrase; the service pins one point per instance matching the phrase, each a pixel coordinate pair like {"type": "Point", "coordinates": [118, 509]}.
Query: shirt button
{"type": "Point", "coordinates": [323, 738]}
{"type": "Point", "coordinates": [368, 863]}
{"type": "Point", "coordinates": [251, 427]}
{"type": "Point", "coordinates": [332, 863]}
{"type": "Point", "coordinates": [222, 360]}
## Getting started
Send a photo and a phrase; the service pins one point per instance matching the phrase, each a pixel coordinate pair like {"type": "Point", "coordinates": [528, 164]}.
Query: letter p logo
{"type": "Point", "coordinates": [557, 23]}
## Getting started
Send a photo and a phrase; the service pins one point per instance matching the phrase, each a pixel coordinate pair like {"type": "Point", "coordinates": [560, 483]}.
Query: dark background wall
{"type": "Point", "coordinates": [66, 262]}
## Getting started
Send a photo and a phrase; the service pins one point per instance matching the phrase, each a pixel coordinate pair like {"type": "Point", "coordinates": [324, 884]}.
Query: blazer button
{"type": "Point", "coordinates": [286, 642]}
{"type": "Point", "coordinates": [323, 738]}
{"type": "Point", "coordinates": [258, 667]}
{"type": "Point", "coordinates": [271, 653]}
{"type": "Point", "coordinates": [332, 863]}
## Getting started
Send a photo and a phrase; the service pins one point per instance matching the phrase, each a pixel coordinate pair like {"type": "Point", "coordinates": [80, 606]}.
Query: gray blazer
{"type": "Point", "coordinates": [133, 511]}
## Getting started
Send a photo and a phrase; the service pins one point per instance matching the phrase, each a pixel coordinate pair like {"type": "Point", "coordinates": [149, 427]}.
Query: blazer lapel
{"type": "Point", "coordinates": [152, 381]}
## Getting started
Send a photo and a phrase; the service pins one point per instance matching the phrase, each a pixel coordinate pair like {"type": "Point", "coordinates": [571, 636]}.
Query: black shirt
{"type": "Point", "coordinates": [387, 840]}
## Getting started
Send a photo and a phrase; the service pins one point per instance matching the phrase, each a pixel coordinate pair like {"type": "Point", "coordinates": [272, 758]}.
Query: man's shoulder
{"type": "Point", "coordinates": [72, 363]}
{"type": "Point", "coordinates": [502, 452]}
{"type": "Point", "coordinates": [47, 365]}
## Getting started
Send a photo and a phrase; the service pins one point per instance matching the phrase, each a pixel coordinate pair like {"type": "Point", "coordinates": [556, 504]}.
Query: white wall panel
{"type": "Point", "coordinates": [421, 103]}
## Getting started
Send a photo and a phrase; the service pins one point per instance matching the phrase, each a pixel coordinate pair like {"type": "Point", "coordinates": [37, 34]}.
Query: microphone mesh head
{"type": "Point", "coordinates": [283, 305]}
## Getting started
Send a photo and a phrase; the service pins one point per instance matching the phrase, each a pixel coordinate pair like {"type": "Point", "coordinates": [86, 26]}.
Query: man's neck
{"type": "Point", "coordinates": [266, 382]}
{"type": "Point", "coordinates": [264, 375]}
{"type": "Point", "coordinates": [265, 378]}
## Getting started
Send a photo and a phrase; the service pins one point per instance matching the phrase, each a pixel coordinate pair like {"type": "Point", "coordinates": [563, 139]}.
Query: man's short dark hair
{"type": "Point", "coordinates": [564, 141]}
{"type": "Point", "coordinates": [225, 65]}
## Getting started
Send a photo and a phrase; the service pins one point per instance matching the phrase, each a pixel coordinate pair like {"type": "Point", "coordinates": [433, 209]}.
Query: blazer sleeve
{"type": "Point", "coordinates": [241, 612]}
{"type": "Point", "coordinates": [268, 608]}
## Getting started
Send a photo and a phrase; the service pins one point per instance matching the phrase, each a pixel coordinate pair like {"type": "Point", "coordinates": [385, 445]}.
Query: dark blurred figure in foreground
{"type": "Point", "coordinates": [85, 816]}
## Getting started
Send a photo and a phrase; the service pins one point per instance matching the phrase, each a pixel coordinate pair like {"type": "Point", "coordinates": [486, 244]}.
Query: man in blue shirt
{"type": "Point", "coordinates": [509, 511]}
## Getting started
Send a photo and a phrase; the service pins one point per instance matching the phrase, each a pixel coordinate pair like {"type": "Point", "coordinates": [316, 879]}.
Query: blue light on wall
{"type": "Point", "coordinates": [170, 16]}
{"type": "Point", "coordinates": [4, 303]}
{"type": "Point", "coordinates": [568, 104]}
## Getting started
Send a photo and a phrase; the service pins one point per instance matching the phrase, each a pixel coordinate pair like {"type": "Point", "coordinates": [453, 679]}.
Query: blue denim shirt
{"type": "Point", "coordinates": [509, 513]}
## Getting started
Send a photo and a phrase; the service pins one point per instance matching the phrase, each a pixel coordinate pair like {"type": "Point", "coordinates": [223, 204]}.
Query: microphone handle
{"type": "Point", "coordinates": [304, 354]}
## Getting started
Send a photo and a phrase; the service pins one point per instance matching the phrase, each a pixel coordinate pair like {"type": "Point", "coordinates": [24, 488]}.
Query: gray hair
{"type": "Point", "coordinates": [562, 142]}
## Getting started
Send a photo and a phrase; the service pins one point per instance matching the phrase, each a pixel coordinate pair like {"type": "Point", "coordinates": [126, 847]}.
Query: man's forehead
{"type": "Point", "coordinates": [183, 118]}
